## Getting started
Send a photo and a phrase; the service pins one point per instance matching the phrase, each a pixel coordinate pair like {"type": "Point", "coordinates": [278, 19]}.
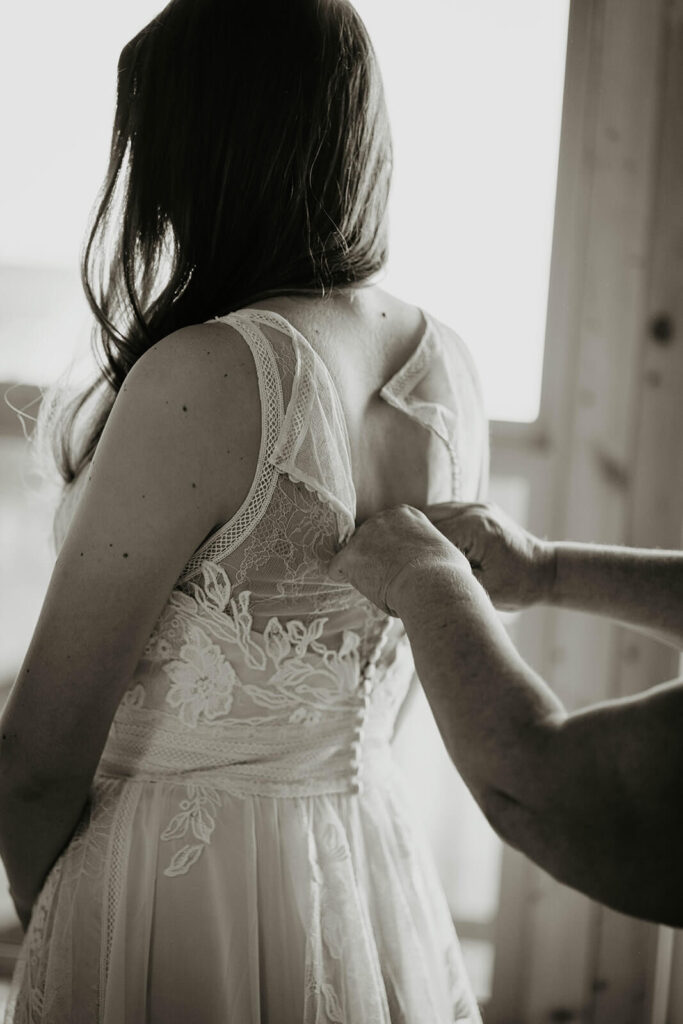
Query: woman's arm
{"type": "Point", "coordinates": [641, 588]}
{"type": "Point", "coordinates": [176, 458]}
{"type": "Point", "coordinates": [637, 587]}
{"type": "Point", "coordinates": [595, 797]}
{"type": "Point", "coordinates": [608, 821]}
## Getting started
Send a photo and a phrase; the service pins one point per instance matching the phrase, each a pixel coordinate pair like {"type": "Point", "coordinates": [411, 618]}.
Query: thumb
{"type": "Point", "coordinates": [444, 510]}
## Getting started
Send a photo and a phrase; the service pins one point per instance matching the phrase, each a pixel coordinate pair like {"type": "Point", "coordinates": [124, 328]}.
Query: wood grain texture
{"type": "Point", "coordinates": [602, 456]}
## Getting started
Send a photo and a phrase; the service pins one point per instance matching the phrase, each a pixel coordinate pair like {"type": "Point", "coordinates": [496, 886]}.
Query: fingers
{"type": "Point", "coordinates": [455, 523]}
{"type": "Point", "coordinates": [377, 554]}
{"type": "Point", "coordinates": [450, 510]}
{"type": "Point", "coordinates": [444, 510]}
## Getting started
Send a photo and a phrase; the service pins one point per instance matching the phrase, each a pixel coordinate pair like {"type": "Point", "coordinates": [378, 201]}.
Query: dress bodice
{"type": "Point", "coordinates": [262, 671]}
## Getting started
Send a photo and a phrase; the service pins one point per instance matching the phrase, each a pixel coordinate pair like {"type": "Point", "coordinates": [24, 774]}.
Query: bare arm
{"type": "Point", "coordinates": [175, 459]}
{"type": "Point", "coordinates": [641, 588]}
{"type": "Point", "coordinates": [613, 828]}
{"type": "Point", "coordinates": [594, 797]}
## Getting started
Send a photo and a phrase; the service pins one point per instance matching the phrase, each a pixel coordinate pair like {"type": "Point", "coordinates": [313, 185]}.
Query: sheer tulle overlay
{"type": "Point", "coordinates": [247, 853]}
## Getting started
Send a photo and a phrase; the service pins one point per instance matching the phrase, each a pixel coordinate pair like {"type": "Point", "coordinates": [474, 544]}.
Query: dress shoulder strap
{"type": "Point", "coordinates": [304, 437]}
{"type": "Point", "coordinates": [252, 510]}
{"type": "Point", "coordinates": [313, 447]}
{"type": "Point", "coordinates": [439, 388]}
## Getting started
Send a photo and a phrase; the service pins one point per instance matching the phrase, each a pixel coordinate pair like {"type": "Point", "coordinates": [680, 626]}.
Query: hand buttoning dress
{"type": "Point", "coordinates": [247, 854]}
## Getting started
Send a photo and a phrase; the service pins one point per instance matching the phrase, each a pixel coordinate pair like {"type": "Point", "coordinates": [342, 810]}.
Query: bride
{"type": "Point", "coordinates": [200, 816]}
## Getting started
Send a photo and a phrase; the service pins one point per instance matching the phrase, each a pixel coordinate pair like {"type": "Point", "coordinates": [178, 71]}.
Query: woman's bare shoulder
{"type": "Point", "coordinates": [175, 459]}
{"type": "Point", "coordinates": [203, 382]}
{"type": "Point", "coordinates": [193, 355]}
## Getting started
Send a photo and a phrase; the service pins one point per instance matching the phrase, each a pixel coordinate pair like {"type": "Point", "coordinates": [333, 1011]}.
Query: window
{"type": "Point", "coordinates": [475, 98]}
{"type": "Point", "coordinates": [64, 77]}
{"type": "Point", "coordinates": [475, 94]}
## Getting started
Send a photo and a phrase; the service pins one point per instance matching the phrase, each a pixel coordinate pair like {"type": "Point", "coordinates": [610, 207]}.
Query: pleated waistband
{"type": "Point", "coordinates": [301, 762]}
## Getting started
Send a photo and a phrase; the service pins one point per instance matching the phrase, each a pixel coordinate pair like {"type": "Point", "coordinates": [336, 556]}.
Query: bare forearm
{"type": "Point", "coordinates": [608, 824]}
{"type": "Point", "coordinates": [639, 587]}
{"type": "Point", "coordinates": [594, 796]}
{"type": "Point", "coordinates": [590, 796]}
{"type": "Point", "coordinates": [492, 710]}
{"type": "Point", "coordinates": [34, 830]}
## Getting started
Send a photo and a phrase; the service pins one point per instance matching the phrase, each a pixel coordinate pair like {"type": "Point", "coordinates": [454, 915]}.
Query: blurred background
{"type": "Point", "coordinates": [538, 209]}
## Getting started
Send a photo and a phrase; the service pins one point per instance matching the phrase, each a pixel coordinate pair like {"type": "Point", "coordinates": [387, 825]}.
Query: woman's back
{"type": "Point", "coordinates": [246, 819]}
{"type": "Point", "coordinates": [366, 338]}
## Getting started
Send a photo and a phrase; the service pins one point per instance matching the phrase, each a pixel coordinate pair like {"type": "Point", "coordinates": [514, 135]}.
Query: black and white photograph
{"type": "Point", "coordinates": [341, 512]}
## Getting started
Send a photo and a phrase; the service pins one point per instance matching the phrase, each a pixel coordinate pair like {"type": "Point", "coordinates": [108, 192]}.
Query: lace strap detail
{"type": "Point", "coordinates": [313, 446]}
{"type": "Point", "coordinates": [400, 392]}
{"type": "Point", "coordinates": [254, 507]}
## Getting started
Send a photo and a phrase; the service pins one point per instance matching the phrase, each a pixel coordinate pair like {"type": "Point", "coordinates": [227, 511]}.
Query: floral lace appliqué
{"type": "Point", "coordinates": [134, 697]}
{"type": "Point", "coordinates": [195, 816]}
{"type": "Point", "coordinates": [203, 683]}
{"type": "Point", "coordinates": [301, 716]}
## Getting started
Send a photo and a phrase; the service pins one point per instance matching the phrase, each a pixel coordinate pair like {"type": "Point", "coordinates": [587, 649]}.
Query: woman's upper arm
{"type": "Point", "coordinates": [176, 458]}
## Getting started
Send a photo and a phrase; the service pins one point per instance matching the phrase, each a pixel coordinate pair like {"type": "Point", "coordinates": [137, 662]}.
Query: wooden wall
{"type": "Point", "coordinates": [605, 462]}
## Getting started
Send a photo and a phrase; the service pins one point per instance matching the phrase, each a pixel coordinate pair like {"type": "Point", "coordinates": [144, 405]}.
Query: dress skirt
{"type": "Point", "coordinates": [181, 902]}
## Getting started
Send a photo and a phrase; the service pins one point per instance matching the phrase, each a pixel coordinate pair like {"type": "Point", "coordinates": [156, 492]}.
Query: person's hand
{"type": "Point", "coordinates": [516, 568]}
{"type": "Point", "coordinates": [385, 552]}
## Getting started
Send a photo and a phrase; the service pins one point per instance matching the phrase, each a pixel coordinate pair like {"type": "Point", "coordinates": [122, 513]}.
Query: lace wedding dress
{"type": "Point", "coordinates": [247, 854]}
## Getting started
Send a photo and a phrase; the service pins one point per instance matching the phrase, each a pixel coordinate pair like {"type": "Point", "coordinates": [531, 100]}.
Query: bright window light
{"type": "Point", "coordinates": [57, 95]}
{"type": "Point", "coordinates": [475, 96]}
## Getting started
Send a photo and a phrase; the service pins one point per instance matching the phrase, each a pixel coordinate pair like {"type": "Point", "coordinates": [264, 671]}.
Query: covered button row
{"type": "Point", "coordinates": [365, 689]}
{"type": "Point", "coordinates": [361, 714]}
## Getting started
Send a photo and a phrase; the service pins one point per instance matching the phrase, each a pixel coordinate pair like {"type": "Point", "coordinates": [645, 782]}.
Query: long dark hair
{"type": "Point", "coordinates": [250, 156]}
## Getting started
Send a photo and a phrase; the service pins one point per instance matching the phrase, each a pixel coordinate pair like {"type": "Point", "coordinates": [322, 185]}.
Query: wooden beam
{"type": "Point", "coordinates": [655, 506]}
{"type": "Point", "coordinates": [535, 453]}
{"type": "Point", "coordinates": [575, 960]}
